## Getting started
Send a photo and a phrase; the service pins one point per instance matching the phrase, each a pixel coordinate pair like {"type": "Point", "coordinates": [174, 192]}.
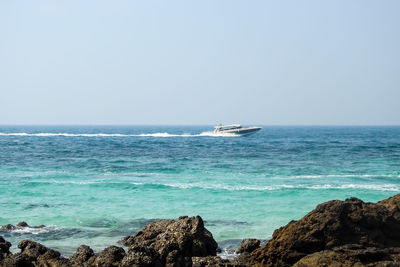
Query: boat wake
{"type": "Point", "coordinates": [164, 134]}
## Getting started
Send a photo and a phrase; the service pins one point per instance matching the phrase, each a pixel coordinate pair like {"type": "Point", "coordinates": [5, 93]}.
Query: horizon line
{"type": "Point", "coordinates": [265, 125]}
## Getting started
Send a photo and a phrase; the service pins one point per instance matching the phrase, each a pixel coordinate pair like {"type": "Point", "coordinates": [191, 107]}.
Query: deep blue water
{"type": "Point", "coordinates": [93, 185]}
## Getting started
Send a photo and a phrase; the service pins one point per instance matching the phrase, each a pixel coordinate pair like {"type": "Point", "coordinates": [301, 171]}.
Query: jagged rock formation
{"type": "Point", "coordinates": [34, 254]}
{"type": "Point", "coordinates": [248, 245]}
{"type": "Point", "coordinates": [328, 227]}
{"type": "Point", "coordinates": [160, 243]}
{"type": "Point", "coordinates": [352, 255]}
{"type": "Point", "coordinates": [4, 249]}
{"type": "Point", "coordinates": [170, 243]}
{"type": "Point", "coordinates": [84, 256]}
{"type": "Point", "coordinates": [392, 204]}
{"type": "Point", "coordinates": [214, 261]}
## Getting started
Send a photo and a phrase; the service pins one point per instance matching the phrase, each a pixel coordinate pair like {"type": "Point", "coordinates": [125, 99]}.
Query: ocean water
{"type": "Point", "coordinates": [94, 185]}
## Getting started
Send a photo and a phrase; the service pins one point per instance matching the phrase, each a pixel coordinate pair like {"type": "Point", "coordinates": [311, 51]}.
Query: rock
{"type": "Point", "coordinates": [84, 256]}
{"type": "Point", "coordinates": [35, 254]}
{"type": "Point", "coordinates": [170, 243]}
{"type": "Point", "coordinates": [110, 257]}
{"type": "Point", "coordinates": [8, 227]}
{"type": "Point", "coordinates": [248, 245]}
{"type": "Point", "coordinates": [331, 224]}
{"type": "Point", "coordinates": [150, 231]}
{"type": "Point", "coordinates": [393, 205]}
{"type": "Point", "coordinates": [212, 261]}
{"type": "Point", "coordinates": [352, 255]}
{"type": "Point", "coordinates": [18, 260]}
{"type": "Point", "coordinates": [142, 257]}
{"type": "Point", "coordinates": [4, 248]}
{"type": "Point", "coordinates": [22, 224]}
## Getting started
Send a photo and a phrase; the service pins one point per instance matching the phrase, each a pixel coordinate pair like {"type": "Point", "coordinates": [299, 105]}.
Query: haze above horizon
{"type": "Point", "coordinates": [199, 63]}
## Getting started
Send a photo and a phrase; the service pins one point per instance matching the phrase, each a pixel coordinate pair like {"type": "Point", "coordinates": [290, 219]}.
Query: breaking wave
{"type": "Point", "coordinates": [31, 230]}
{"type": "Point", "coordinates": [372, 187]}
{"type": "Point", "coordinates": [382, 187]}
{"type": "Point", "coordinates": [164, 134]}
{"type": "Point", "coordinates": [341, 176]}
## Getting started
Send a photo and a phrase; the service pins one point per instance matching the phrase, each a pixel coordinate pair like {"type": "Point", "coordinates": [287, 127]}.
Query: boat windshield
{"type": "Point", "coordinates": [228, 127]}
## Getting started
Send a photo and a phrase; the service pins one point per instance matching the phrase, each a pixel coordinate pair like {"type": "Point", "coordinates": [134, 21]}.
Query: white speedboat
{"type": "Point", "coordinates": [235, 129]}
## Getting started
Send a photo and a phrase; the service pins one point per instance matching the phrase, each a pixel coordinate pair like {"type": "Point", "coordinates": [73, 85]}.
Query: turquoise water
{"type": "Point", "coordinates": [94, 185]}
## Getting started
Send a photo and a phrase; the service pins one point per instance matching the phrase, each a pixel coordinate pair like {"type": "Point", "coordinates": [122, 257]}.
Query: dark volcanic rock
{"type": "Point", "coordinates": [84, 256]}
{"type": "Point", "coordinates": [20, 225]}
{"type": "Point", "coordinates": [35, 254]}
{"type": "Point", "coordinates": [8, 227]}
{"type": "Point", "coordinates": [212, 261]}
{"type": "Point", "coordinates": [141, 256]}
{"type": "Point", "coordinates": [393, 205]}
{"type": "Point", "coordinates": [248, 245]}
{"type": "Point", "coordinates": [150, 231]}
{"type": "Point", "coordinates": [331, 224]}
{"type": "Point", "coordinates": [4, 248]}
{"type": "Point", "coordinates": [110, 257]}
{"type": "Point", "coordinates": [352, 255]}
{"type": "Point", "coordinates": [170, 243]}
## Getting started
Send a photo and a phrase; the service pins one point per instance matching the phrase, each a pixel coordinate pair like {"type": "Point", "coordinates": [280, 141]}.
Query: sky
{"type": "Point", "coordinates": [200, 62]}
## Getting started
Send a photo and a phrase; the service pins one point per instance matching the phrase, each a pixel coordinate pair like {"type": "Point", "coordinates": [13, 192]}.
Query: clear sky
{"type": "Point", "coordinates": [200, 62]}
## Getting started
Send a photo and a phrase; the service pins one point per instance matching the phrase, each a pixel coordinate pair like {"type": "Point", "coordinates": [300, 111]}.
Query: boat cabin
{"type": "Point", "coordinates": [220, 127]}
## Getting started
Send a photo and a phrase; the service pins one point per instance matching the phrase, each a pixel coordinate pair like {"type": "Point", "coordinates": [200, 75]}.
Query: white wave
{"type": "Point", "coordinates": [232, 187]}
{"type": "Point", "coordinates": [81, 182]}
{"type": "Point", "coordinates": [383, 187]}
{"type": "Point", "coordinates": [341, 176]}
{"type": "Point", "coordinates": [164, 134]}
{"type": "Point", "coordinates": [227, 254]}
{"type": "Point", "coordinates": [373, 187]}
{"type": "Point", "coordinates": [32, 230]}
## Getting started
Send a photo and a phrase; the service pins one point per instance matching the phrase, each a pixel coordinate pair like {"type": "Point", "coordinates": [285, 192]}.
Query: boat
{"type": "Point", "coordinates": [235, 129]}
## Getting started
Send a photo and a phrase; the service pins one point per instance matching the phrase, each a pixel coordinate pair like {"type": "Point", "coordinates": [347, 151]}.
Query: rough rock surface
{"type": "Point", "coordinates": [35, 254]}
{"type": "Point", "coordinates": [84, 256]}
{"type": "Point", "coordinates": [352, 255]}
{"type": "Point", "coordinates": [331, 224]}
{"type": "Point", "coordinates": [248, 245]}
{"type": "Point", "coordinates": [4, 248]}
{"type": "Point", "coordinates": [110, 257]}
{"type": "Point", "coordinates": [161, 243]}
{"type": "Point", "coordinates": [393, 205]}
{"type": "Point", "coordinates": [211, 261]}
{"type": "Point", "coordinates": [170, 243]}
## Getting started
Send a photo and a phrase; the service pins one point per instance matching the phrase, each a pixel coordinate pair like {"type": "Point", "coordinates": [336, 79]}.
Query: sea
{"type": "Point", "coordinates": [94, 185]}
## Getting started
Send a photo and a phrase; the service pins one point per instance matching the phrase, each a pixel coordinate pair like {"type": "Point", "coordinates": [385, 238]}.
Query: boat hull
{"type": "Point", "coordinates": [241, 131]}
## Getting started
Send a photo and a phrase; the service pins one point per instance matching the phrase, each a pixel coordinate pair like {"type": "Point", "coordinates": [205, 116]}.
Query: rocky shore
{"type": "Point", "coordinates": [335, 233]}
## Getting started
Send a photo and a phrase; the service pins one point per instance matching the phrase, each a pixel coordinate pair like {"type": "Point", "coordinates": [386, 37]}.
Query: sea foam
{"type": "Point", "coordinates": [160, 134]}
